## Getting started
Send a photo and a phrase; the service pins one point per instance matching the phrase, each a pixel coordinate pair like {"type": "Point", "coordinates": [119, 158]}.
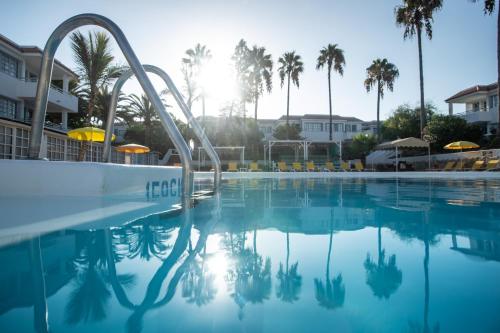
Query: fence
{"type": "Point", "coordinates": [14, 144]}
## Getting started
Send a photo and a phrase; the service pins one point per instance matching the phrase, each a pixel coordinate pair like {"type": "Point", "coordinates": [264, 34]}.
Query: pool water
{"type": "Point", "coordinates": [325, 255]}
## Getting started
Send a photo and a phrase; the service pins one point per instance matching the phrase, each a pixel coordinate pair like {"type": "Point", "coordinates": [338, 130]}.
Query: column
{"type": "Point", "coordinates": [20, 110]}
{"type": "Point", "coordinates": [450, 109]}
{"type": "Point", "coordinates": [64, 120]}
{"type": "Point", "coordinates": [65, 83]}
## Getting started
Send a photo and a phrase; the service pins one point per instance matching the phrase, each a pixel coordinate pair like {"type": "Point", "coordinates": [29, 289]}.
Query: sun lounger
{"type": "Point", "coordinates": [329, 166]}
{"type": "Point", "coordinates": [310, 166]}
{"type": "Point", "coordinates": [254, 167]}
{"type": "Point", "coordinates": [459, 166]}
{"type": "Point", "coordinates": [478, 165]}
{"type": "Point", "coordinates": [358, 166]}
{"type": "Point", "coordinates": [282, 167]}
{"type": "Point", "coordinates": [232, 166]}
{"type": "Point", "coordinates": [297, 166]}
{"type": "Point", "coordinates": [449, 166]}
{"type": "Point", "coordinates": [493, 165]}
{"type": "Point", "coordinates": [344, 166]}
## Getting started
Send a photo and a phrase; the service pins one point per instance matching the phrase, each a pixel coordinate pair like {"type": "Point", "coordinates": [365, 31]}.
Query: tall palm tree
{"type": "Point", "coordinates": [196, 59]}
{"type": "Point", "coordinates": [261, 72]}
{"type": "Point", "coordinates": [415, 16]}
{"type": "Point", "coordinates": [240, 58]}
{"type": "Point", "coordinates": [382, 74]}
{"type": "Point", "coordinates": [291, 66]}
{"type": "Point", "coordinates": [290, 280]}
{"type": "Point", "coordinates": [331, 55]}
{"type": "Point", "coordinates": [489, 8]}
{"type": "Point", "coordinates": [94, 63]}
{"type": "Point", "coordinates": [141, 107]}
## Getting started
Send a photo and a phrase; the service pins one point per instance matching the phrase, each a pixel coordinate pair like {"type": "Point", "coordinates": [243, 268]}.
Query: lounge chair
{"type": "Point", "coordinates": [459, 166]}
{"type": "Point", "coordinates": [478, 165]}
{"type": "Point", "coordinates": [232, 167]}
{"type": "Point", "coordinates": [449, 166]}
{"type": "Point", "coordinates": [329, 166]}
{"type": "Point", "coordinates": [297, 166]}
{"type": "Point", "coordinates": [344, 166]}
{"type": "Point", "coordinates": [493, 165]}
{"type": "Point", "coordinates": [358, 166]}
{"type": "Point", "coordinates": [310, 166]}
{"type": "Point", "coordinates": [254, 167]}
{"type": "Point", "coordinates": [282, 167]}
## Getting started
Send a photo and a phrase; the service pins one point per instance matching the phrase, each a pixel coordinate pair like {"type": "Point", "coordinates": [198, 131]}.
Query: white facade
{"type": "Point", "coordinates": [315, 127]}
{"type": "Point", "coordinates": [480, 106]}
{"type": "Point", "coordinates": [19, 69]}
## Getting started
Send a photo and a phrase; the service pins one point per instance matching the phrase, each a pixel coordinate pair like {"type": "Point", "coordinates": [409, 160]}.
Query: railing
{"type": "Point", "coordinates": [42, 92]}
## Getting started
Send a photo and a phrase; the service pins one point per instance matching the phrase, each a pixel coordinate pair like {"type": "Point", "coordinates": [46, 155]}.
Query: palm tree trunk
{"type": "Point", "coordinates": [287, 251]}
{"type": "Point", "coordinates": [421, 69]}
{"type": "Point", "coordinates": [203, 108]}
{"type": "Point", "coordinates": [379, 245]}
{"type": "Point", "coordinates": [498, 70]}
{"type": "Point", "coordinates": [330, 103]}
{"type": "Point", "coordinates": [256, 105]}
{"type": "Point", "coordinates": [378, 111]}
{"type": "Point", "coordinates": [329, 256]}
{"type": "Point", "coordinates": [288, 107]}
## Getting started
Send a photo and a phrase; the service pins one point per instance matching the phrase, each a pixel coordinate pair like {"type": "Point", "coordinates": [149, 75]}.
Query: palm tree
{"type": "Point", "coordinates": [240, 58]}
{"type": "Point", "coordinates": [291, 66]}
{"type": "Point", "coordinates": [141, 107]}
{"type": "Point", "coordinates": [415, 16]}
{"type": "Point", "coordinates": [382, 74]}
{"type": "Point", "coordinates": [290, 280]}
{"type": "Point", "coordinates": [261, 72]}
{"type": "Point", "coordinates": [94, 65]}
{"type": "Point", "coordinates": [196, 59]}
{"type": "Point", "coordinates": [331, 55]}
{"type": "Point", "coordinates": [489, 8]}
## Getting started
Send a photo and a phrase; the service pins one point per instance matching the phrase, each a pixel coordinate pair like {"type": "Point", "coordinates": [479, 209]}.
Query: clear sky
{"type": "Point", "coordinates": [462, 52]}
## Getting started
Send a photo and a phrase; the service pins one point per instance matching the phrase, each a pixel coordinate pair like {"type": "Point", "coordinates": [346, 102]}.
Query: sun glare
{"type": "Point", "coordinates": [218, 266]}
{"type": "Point", "coordinates": [218, 80]}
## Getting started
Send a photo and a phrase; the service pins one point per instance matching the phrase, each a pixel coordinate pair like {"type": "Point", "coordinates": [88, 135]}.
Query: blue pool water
{"type": "Point", "coordinates": [272, 255]}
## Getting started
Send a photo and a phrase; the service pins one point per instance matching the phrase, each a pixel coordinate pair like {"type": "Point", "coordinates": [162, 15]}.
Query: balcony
{"type": "Point", "coordinates": [480, 116]}
{"type": "Point", "coordinates": [26, 89]}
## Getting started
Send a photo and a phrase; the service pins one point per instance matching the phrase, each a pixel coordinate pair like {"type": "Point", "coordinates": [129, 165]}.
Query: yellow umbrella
{"type": "Point", "coordinates": [133, 148]}
{"type": "Point", "coordinates": [89, 134]}
{"type": "Point", "coordinates": [460, 145]}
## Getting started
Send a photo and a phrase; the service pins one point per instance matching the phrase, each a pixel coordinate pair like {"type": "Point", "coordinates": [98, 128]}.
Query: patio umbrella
{"type": "Point", "coordinates": [89, 134]}
{"type": "Point", "coordinates": [460, 145]}
{"type": "Point", "coordinates": [133, 148]}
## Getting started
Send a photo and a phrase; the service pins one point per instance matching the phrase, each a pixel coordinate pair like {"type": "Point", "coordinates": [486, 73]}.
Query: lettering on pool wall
{"type": "Point", "coordinates": [163, 188]}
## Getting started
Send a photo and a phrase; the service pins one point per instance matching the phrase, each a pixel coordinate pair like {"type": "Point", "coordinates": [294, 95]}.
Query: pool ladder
{"type": "Point", "coordinates": [139, 71]}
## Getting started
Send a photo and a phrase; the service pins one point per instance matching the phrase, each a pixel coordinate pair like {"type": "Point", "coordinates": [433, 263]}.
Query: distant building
{"type": "Point", "coordinates": [370, 127]}
{"type": "Point", "coordinates": [481, 106]}
{"type": "Point", "coordinates": [19, 69]}
{"type": "Point", "coordinates": [315, 127]}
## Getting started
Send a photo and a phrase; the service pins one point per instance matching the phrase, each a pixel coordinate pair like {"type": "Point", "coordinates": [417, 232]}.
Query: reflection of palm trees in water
{"type": "Point", "coordinates": [198, 285]}
{"type": "Point", "coordinates": [331, 294]}
{"type": "Point", "coordinates": [88, 300]}
{"type": "Point", "coordinates": [383, 277]}
{"type": "Point", "coordinates": [148, 240]}
{"type": "Point", "coordinates": [289, 278]}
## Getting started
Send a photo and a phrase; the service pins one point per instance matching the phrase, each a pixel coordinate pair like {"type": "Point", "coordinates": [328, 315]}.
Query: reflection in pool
{"type": "Point", "coordinates": [272, 256]}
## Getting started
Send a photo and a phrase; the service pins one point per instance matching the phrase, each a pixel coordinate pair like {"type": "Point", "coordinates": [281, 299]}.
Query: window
{"type": "Point", "coordinates": [55, 149]}
{"type": "Point", "coordinates": [8, 64]}
{"type": "Point", "coordinates": [313, 127]}
{"type": "Point", "coordinates": [5, 142]}
{"type": "Point", "coordinates": [354, 128]}
{"type": "Point", "coordinates": [72, 150]}
{"type": "Point", "coordinates": [347, 127]}
{"type": "Point", "coordinates": [493, 101]}
{"type": "Point", "coordinates": [22, 143]}
{"type": "Point", "coordinates": [7, 108]}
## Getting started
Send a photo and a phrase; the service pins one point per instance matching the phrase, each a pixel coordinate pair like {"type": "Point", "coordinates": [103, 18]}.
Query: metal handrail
{"type": "Point", "coordinates": [199, 132]}
{"type": "Point", "coordinates": [42, 92]}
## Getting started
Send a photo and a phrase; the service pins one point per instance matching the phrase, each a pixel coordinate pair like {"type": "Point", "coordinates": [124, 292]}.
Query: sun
{"type": "Point", "coordinates": [218, 81]}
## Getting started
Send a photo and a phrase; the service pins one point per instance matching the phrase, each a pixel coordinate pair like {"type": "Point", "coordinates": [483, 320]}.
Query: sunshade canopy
{"type": "Point", "coordinates": [404, 143]}
{"type": "Point", "coordinates": [459, 145]}
{"type": "Point", "coordinates": [88, 134]}
{"type": "Point", "coordinates": [133, 148]}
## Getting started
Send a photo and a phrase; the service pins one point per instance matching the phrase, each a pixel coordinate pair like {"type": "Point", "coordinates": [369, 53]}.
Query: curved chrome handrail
{"type": "Point", "coordinates": [199, 132]}
{"type": "Point", "coordinates": [45, 76]}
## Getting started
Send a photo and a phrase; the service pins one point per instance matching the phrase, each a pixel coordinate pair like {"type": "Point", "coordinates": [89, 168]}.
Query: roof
{"type": "Point", "coordinates": [33, 49]}
{"type": "Point", "coordinates": [404, 143]}
{"type": "Point", "coordinates": [472, 90]}
{"type": "Point", "coordinates": [320, 116]}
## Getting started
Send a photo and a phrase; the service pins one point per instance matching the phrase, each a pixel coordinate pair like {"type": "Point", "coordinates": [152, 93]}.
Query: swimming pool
{"type": "Point", "coordinates": [272, 255]}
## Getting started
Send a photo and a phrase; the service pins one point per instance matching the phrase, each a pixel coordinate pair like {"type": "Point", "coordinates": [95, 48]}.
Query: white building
{"type": "Point", "coordinates": [315, 127]}
{"type": "Point", "coordinates": [19, 68]}
{"type": "Point", "coordinates": [481, 106]}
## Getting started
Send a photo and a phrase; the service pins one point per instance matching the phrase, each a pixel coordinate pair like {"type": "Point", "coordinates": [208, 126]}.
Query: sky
{"type": "Point", "coordinates": [461, 54]}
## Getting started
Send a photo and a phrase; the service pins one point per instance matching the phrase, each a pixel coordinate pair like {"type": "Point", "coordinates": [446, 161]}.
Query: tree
{"type": "Point", "coordinates": [331, 55]}
{"type": "Point", "coordinates": [404, 122]}
{"type": "Point", "coordinates": [241, 64]}
{"type": "Point", "coordinates": [381, 74]}
{"type": "Point", "coordinates": [291, 66]}
{"type": "Point", "coordinates": [443, 129]}
{"type": "Point", "coordinates": [415, 16]}
{"type": "Point", "coordinates": [489, 8]}
{"type": "Point", "coordinates": [287, 132]}
{"type": "Point", "coordinates": [142, 109]}
{"type": "Point", "coordinates": [94, 65]}
{"type": "Point", "coordinates": [261, 71]}
{"type": "Point", "coordinates": [194, 63]}
{"type": "Point", "coordinates": [360, 146]}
